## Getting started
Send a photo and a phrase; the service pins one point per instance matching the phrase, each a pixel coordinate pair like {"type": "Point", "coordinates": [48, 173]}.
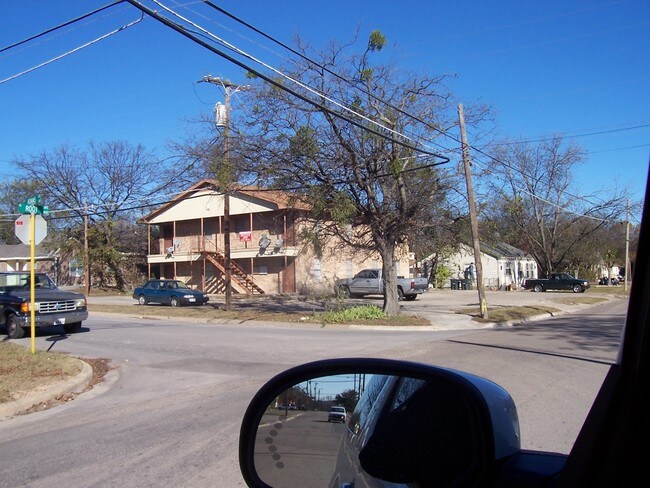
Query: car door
{"type": "Point", "coordinates": [359, 284]}
{"type": "Point", "coordinates": [167, 290]}
{"type": "Point", "coordinates": [370, 282]}
{"type": "Point", "coordinates": [152, 291]}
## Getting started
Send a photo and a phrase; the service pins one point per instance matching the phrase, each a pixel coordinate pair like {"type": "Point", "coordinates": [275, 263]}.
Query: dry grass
{"type": "Point", "coordinates": [258, 313]}
{"type": "Point", "coordinates": [505, 314]}
{"type": "Point", "coordinates": [581, 300]}
{"type": "Point", "coordinates": [22, 372]}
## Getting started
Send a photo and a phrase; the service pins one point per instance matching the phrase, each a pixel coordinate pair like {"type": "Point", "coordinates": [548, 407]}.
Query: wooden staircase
{"type": "Point", "coordinates": [238, 276]}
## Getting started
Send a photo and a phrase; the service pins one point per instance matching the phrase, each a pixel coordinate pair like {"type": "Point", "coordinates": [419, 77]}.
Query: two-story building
{"type": "Point", "coordinates": [267, 255]}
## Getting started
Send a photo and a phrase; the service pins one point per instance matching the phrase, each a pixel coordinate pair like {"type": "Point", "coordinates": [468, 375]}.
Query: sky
{"type": "Point", "coordinates": [577, 68]}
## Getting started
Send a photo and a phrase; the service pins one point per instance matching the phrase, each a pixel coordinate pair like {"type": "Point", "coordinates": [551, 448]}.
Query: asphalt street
{"type": "Point", "coordinates": [168, 415]}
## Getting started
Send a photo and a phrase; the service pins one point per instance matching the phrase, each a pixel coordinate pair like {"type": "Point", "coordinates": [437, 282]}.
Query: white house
{"type": "Point", "coordinates": [504, 266]}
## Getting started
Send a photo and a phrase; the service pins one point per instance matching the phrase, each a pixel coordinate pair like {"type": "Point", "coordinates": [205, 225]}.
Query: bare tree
{"type": "Point", "coordinates": [536, 204]}
{"type": "Point", "coordinates": [105, 185]}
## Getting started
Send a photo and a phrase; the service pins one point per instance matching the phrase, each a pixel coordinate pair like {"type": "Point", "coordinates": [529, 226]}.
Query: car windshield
{"type": "Point", "coordinates": [21, 281]}
{"type": "Point", "coordinates": [482, 149]}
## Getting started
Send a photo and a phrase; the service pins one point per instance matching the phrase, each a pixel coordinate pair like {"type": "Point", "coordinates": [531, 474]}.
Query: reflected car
{"type": "Point", "coordinates": [337, 414]}
{"type": "Point", "coordinates": [169, 292]}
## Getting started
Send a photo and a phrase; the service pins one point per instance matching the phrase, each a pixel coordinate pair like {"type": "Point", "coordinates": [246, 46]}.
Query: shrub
{"type": "Point", "coordinates": [366, 312]}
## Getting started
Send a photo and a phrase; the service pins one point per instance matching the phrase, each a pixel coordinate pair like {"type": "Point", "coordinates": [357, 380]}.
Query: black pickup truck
{"type": "Point", "coordinates": [557, 281]}
{"type": "Point", "coordinates": [51, 305]}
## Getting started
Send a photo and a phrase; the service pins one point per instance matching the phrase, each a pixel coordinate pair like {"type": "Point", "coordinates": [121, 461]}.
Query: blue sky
{"type": "Point", "coordinates": [581, 68]}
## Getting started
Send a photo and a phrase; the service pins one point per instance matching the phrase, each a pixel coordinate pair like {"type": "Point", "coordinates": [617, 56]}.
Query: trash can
{"type": "Point", "coordinates": [454, 284]}
{"type": "Point", "coordinates": [467, 285]}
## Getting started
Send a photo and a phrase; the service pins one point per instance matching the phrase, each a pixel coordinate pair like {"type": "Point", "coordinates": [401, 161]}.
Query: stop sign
{"type": "Point", "coordinates": [23, 232]}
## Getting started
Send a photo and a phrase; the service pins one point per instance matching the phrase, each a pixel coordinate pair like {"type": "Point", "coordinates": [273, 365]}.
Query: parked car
{"type": "Point", "coordinates": [169, 292]}
{"type": "Point", "coordinates": [613, 281]}
{"type": "Point", "coordinates": [337, 414]}
{"type": "Point", "coordinates": [371, 282]}
{"type": "Point", "coordinates": [557, 281]}
{"type": "Point", "coordinates": [52, 306]}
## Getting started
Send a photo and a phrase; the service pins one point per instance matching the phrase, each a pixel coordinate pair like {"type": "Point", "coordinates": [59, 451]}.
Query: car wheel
{"type": "Point", "coordinates": [410, 298]}
{"type": "Point", "coordinates": [577, 289]}
{"type": "Point", "coordinates": [72, 328]}
{"type": "Point", "coordinates": [14, 330]}
{"type": "Point", "coordinates": [173, 301]}
{"type": "Point", "coordinates": [142, 300]}
{"type": "Point", "coordinates": [538, 288]}
{"type": "Point", "coordinates": [400, 293]}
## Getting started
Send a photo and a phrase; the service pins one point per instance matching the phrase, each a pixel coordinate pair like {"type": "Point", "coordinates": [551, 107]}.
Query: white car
{"type": "Point", "coordinates": [337, 414]}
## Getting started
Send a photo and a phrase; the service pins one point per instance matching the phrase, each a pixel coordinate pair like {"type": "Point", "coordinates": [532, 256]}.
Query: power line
{"type": "Point", "coordinates": [61, 56]}
{"type": "Point", "coordinates": [277, 84]}
{"type": "Point", "coordinates": [284, 75]}
{"type": "Point", "coordinates": [587, 134]}
{"type": "Point", "coordinates": [327, 70]}
{"type": "Point", "coordinates": [60, 26]}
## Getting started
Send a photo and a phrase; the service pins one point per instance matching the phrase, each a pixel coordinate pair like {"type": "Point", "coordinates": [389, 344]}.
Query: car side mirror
{"type": "Point", "coordinates": [406, 423]}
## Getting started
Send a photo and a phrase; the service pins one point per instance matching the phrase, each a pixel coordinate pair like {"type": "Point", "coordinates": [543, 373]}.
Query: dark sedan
{"type": "Point", "coordinates": [169, 292]}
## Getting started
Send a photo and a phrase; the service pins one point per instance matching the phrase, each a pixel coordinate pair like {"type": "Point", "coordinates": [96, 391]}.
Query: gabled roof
{"type": "Point", "coordinates": [501, 250]}
{"type": "Point", "coordinates": [22, 252]}
{"type": "Point", "coordinates": [281, 199]}
{"type": "Point", "coordinates": [498, 250]}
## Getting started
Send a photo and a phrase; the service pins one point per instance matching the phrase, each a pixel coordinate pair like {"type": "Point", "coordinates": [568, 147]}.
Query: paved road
{"type": "Point", "coordinates": [170, 413]}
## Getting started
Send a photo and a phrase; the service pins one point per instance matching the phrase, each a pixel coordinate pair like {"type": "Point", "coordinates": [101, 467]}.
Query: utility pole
{"type": "Point", "coordinates": [472, 215]}
{"type": "Point", "coordinates": [627, 242]}
{"type": "Point", "coordinates": [223, 120]}
{"type": "Point", "coordinates": [86, 253]}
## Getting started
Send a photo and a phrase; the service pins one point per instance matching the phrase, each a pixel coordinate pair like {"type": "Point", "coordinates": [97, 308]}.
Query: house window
{"type": "Point", "coordinates": [261, 270]}
{"type": "Point", "coordinates": [316, 271]}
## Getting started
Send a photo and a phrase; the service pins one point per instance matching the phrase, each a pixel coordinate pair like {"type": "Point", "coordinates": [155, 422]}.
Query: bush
{"type": "Point", "coordinates": [366, 312]}
{"type": "Point", "coordinates": [441, 276]}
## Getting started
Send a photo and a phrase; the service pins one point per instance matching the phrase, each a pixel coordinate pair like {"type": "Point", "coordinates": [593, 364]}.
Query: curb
{"type": "Point", "coordinates": [72, 385]}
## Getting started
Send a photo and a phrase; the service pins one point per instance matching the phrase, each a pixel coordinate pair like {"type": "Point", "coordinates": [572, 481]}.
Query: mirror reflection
{"type": "Point", "coordinates": [366, 430]}
{"type": "Point", "coordinates": [300, 432]}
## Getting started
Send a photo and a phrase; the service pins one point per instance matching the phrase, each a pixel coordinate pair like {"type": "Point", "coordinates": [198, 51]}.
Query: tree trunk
{"type": "Point", "coordinates": [389, 274]}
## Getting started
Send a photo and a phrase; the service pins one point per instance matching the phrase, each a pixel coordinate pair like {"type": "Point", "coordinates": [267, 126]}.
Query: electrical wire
{"type": "Point", "coordinates": [277, 84]}
{"type": "Point", "coordinates": [587, 134]}
{"type": "Point", "coordinates": [60, 26]}
{"type": "Point", "coordinates": [61, 56]}
{"type": "Point", "coordinates": [332, 72]}
{"type": "Point", "coordinates": [401, 111]}
{"type": "Point", "coordinates": [282, 74]}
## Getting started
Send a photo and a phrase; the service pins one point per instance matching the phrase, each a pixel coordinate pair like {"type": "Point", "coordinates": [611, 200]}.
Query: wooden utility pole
{"type": "Point", "coordinates": [228, 89]}
{"type": "Point", "coordinates": [627, 242]}
{"type": "Point", "coordinates": [86, 252]}
{"type": "Point", "coordinates": [472, 215]}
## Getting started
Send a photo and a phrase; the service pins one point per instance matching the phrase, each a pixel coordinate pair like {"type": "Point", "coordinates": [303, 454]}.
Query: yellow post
{"type": "Point", "coordinates": [32, 238]}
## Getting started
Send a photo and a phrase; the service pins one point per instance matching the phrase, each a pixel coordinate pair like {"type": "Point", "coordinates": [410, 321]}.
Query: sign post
{"type": "Point", "coordinates": [32, 234]}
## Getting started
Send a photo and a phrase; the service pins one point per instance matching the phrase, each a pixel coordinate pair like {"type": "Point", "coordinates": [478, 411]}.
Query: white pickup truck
{"type": "Point", "coordinates": [370, 282]}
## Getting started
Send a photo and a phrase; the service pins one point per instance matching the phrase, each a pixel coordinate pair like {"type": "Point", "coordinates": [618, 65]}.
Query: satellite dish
{"type": "Point", "coordinates": [264, 242]}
